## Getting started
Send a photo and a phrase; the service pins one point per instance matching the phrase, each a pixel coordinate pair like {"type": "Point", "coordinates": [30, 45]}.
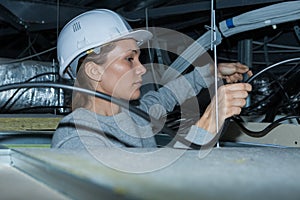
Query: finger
{"type": "Point", "coordinates": [238, 94]}
{"type": "Point", "coordinates": [249, 73]}
{"type": "Point", "coordinates": [239, 102]}
{"type": "Point", "coordinates": [238, 87]}
{"type": "Point", "coordinates": [240, 68]}
{"type": "Point", "coordinates": [228, 80]}
{"type": "Point", "coordinates": [233, 111]}
{"type": "Point", "coordinates": [233, 78]}
{"type": "Point", "coordinates": [236, 77]}
{"type": "Point", "coordinates": [227, 68]}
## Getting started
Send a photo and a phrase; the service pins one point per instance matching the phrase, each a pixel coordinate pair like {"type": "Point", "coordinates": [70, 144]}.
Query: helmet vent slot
{"type": "Point", "coordinates": [76, 26]}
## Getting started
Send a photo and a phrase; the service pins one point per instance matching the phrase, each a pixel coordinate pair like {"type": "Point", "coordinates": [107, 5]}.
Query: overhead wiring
{"type": "Point", "coordinates": [28, 57]}
{"type": "Point", "coordinates": [30, 45]}
{"type": "Point", "coordinates": [150, 54]}
{"type": "Point", "coordinates": [57, 18]}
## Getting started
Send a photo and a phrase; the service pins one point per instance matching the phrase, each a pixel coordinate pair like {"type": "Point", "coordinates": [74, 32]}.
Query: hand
{"type": "Point", "coordinates": [233, 72]}
{"type": "Point", "coordinates": [231, 99]}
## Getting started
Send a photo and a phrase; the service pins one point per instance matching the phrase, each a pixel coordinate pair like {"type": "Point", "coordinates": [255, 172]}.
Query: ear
{"type": "Point", "coordinates": [93, 71]}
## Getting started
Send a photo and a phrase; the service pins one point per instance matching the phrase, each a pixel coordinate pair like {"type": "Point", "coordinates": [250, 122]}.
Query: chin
{"type": "Point", "coordinates": [136, 95]}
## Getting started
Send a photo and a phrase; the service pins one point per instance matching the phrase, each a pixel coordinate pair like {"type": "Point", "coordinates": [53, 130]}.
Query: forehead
{"type": "Point", "coordinates": [126, 45]}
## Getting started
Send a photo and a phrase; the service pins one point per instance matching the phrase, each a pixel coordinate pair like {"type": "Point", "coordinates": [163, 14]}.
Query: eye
{"type": "Point", "coordinates": [129, 59]}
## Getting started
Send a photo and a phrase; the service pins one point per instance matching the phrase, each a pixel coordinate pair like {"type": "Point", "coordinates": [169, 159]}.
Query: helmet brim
{"type": "Point", "coordinates": [141, 36]}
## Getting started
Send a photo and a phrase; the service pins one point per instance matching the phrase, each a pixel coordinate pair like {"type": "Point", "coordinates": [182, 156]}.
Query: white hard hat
{"type": "Point", "coordinates": [89, 30]}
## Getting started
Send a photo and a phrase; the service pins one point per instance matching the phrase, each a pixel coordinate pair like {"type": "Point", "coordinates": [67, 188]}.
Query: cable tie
{"type": "Point", "coordinates": [229, 23]}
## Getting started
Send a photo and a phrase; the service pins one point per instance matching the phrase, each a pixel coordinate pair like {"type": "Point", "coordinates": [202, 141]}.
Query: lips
{"type": "Point", "coordinates": [138, 83]}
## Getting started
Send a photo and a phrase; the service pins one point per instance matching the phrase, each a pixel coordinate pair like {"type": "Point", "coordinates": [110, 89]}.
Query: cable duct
{"type": "Point", "coordinates": [22, 99]}
{"type": "Point", "coordinates": [266, 16]}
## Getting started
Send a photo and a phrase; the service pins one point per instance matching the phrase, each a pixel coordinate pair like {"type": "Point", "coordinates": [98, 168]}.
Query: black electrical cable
{"type": "Point", "coordinates": [266, 98]}
{"type": "Point", "coordinates": [120, 102]}
{"type": "Point", "coordinates": [28, 109]}
{"type": "Point", "coordinates": [4, 109]}
{"type": "Point", "coordinates": [287, 97]}
{"type": "Point", "coordinates": [274, 124]}
{"type": "Point", "coordinates": [275, 80]}
{"type": "Point", "coordinates": [266, 130]}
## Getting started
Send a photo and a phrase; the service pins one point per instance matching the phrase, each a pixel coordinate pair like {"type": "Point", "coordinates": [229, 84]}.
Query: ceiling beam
{"type": "Point", "coordinates": [39, 15]}
{"type": "Point", "coordinates": [186, 8]}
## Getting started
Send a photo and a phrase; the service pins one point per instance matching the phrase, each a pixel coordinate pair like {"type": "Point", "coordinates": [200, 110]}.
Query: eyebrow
{"type": "Point", "coordinates": [136, 51]}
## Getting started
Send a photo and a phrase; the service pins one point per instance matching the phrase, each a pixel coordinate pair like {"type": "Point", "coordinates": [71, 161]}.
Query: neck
{"type": "Point", "coordinates": [105, 108]}
{"type": "Point", "coordinates": [101, 106]}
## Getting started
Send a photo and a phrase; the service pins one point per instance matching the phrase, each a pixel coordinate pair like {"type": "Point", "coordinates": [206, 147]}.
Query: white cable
{"type": "Point", "coordinates": [214, 46]}
{"type": "Point", "coordinates": [28, 57]}
{"type": "Point", "coordinates": [57, 19]}
{"type": "Point", "coordinates": [272, 66]}
{"type": "Point", "coordinates": [149, 51]}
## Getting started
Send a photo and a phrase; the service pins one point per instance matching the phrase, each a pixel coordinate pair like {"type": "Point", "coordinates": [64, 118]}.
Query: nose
{"type": "Point", "coordinates": [140, 69]}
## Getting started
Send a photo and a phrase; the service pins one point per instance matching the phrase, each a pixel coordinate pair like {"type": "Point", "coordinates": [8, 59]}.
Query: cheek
{"type": "Point", "coordinates": [118, 83]}
{"type": "Point", "coordinates": [124, 85]}
{"type": "Point", "coordinates": [126, 89]}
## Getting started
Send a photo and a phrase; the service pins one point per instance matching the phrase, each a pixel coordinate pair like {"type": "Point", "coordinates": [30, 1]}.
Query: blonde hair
{"type": "Point", "coordinates": [79, 99]}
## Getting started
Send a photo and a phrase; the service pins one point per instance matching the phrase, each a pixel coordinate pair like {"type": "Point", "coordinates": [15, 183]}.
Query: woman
{"type": "Point", "coordinates": [108, 60]}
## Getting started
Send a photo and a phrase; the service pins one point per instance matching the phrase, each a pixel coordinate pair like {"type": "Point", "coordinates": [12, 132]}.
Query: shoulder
{"type": "Point", "coordinates": [80, 114]}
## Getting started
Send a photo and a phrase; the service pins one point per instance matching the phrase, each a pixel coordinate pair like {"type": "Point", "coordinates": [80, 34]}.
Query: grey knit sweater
{"type": "Point", "coordinates": [83, 128]}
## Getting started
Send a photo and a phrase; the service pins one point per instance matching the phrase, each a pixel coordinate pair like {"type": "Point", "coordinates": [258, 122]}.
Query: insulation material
{"type": "Point", "coordinates": [24, 98]}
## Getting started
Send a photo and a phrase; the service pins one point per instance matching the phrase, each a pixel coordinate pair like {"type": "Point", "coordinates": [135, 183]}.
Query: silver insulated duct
{"type": "Point", "coordinates": [29, 99]}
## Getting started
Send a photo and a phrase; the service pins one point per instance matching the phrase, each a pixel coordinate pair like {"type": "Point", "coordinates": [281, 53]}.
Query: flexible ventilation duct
{"type": "Point", "coordinates": [266, 16]}
{"type": "Point", "coordinates": [28, 98]}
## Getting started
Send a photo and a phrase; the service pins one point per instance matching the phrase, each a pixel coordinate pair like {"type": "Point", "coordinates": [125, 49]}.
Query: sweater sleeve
{"type": "Point", "coordinates": [158, 103]}
{"type": "Point", "coordinates": [196, 135]}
